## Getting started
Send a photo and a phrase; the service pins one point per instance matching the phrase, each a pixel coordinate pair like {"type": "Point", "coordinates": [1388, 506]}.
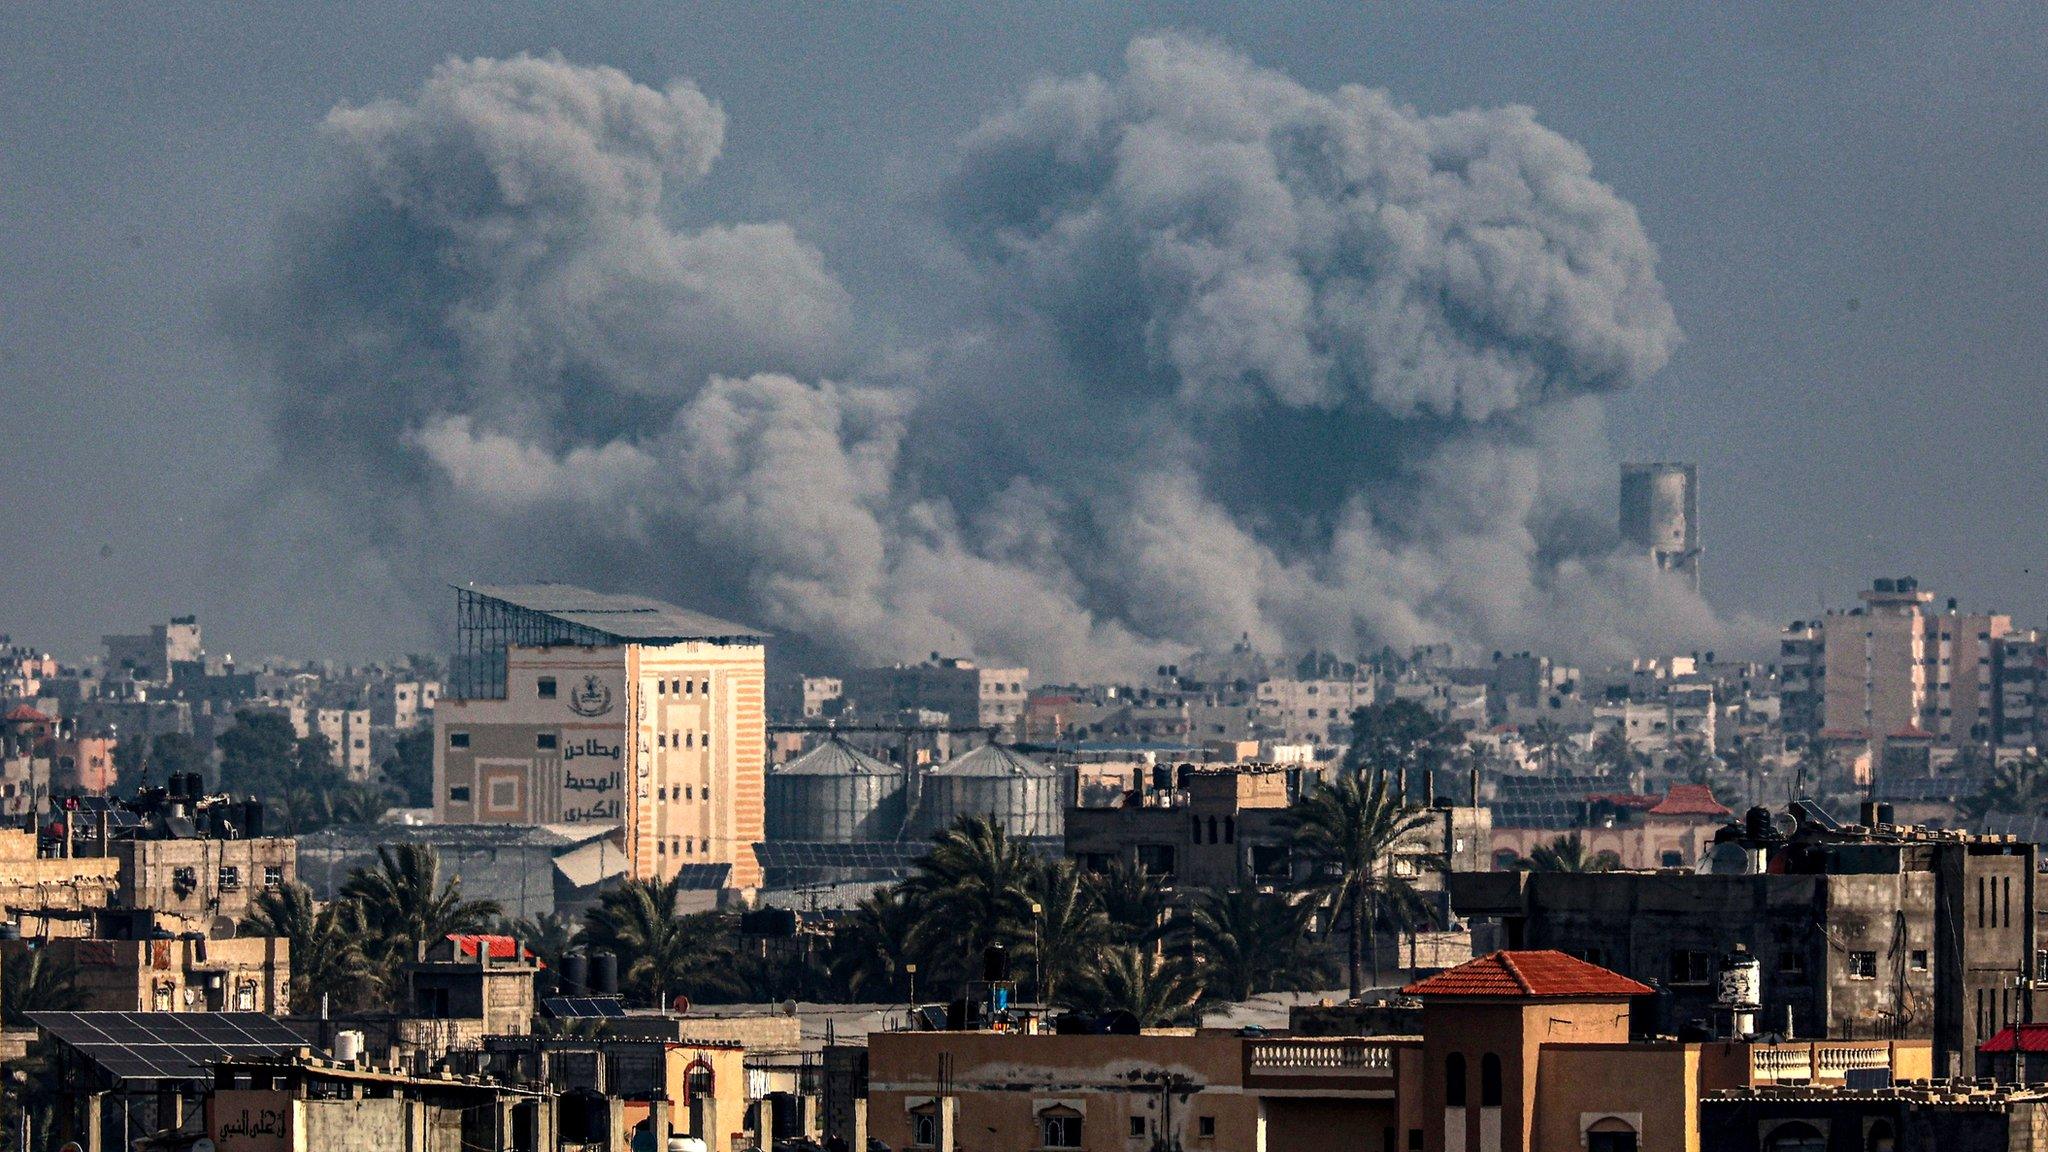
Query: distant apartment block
{"type": "Point", "coordinates": [1660, 513]}
{"type": "Point", "coordinates": [965, 692]}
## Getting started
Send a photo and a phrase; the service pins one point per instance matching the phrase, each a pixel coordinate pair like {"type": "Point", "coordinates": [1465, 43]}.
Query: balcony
{"type": "Point", "coordinates": [1814, 1063]}
{"type": "Point", "coordinates": [1306, 1065]}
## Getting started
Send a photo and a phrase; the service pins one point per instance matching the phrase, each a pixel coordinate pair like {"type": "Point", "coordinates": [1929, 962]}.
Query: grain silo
{"type": "Point", "coordinates": [835, 794]}
{"type": "Point", "coordinates": [1028, 798]}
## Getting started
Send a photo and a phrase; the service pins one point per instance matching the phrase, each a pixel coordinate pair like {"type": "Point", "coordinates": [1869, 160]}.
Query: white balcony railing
{"type": "Point", "coordinates": [1306, 1057]}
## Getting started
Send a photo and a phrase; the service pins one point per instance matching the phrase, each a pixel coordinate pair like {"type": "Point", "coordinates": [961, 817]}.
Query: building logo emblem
{"type": "Point", "coordinates": [593, 699]}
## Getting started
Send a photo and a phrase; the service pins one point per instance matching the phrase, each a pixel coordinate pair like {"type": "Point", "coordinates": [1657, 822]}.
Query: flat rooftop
{"type": "Point", "coordinates": [627, 618]}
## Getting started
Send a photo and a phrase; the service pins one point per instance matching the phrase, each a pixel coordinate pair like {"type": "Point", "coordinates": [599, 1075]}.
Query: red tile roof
{"type": "Point", "coordinates": [1912, 732]}
{"type": "Point", "coordinates": [1689, 800]}
{"type": "Point", "coordinates": [1528, 975]}
{"type": "Point", "coordinates": [502, 947]}
{"type": "Point", "coordinates": [2025, 1037]}
{"type": "Point", "coordinates": [23, 714]}
{"type": "Point", "coordinates": [1626, 800]}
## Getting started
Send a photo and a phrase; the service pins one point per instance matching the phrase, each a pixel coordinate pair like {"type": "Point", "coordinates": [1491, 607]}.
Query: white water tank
{"type": "Point", "coordinates": [348, 1046]}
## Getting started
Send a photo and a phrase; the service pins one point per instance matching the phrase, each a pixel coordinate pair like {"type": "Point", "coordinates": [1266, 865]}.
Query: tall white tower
{"type": "Point", "coordinates": [1660, 512]}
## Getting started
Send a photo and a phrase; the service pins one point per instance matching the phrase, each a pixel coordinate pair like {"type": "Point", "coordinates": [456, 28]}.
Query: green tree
{"type": "Point", "coordinates": [410, 767]}
{"type": "Point", "coordinates": [1250, 942]}
{"type": "Point", "coordinates": [2017, 786]}
{"type": "Point", "coordinates": [550, 937]}
{"type": "Point", "coordinates": [177, 752]}
{"type": "Point", "coordinates": [1693, 759]}
{"type": "Point", "coordinates": [1135, 903]}
{"type": "Point", "coordinates": [1567, 854]}
{"type": "Point", "coordinates": [1551, 744]}
{"type": "Point", "coordinates": [1155, 989]}
{"type": "Point", "coordinates": [1613, 751]}
{"type": "Point", "coordinates": [1069, 929]}
{"type": "Point", "coordinates": [975, 887]}
{"type": "Point", "coordinates": [1399, 735]}
{"type": "Point", "coordinates": [34, 980]}
{"type": "Point", "coordinates": [661, 952]}
{"type": "Point", "coordinates": [872, 948]}
{"type": "Point", "coordinates": [326, 945]}
{"type": "Point", "coordinates": [259, 754]}
{"type": "Point", "coordinates": [405, 904]}
{"type": "Point", "coordinates": [1345, 832]}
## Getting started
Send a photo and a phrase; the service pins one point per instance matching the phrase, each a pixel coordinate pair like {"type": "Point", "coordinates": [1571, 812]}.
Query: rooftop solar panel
{"type": "Point", "coordinates": [168, 1045]}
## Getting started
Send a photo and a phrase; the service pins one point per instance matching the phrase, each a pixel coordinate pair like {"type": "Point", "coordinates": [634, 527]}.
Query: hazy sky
{"type": "Point", "coordinates": [1847, 201]}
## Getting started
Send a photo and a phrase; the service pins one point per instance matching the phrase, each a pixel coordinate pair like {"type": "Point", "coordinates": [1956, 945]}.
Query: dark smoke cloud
{"type": "Point", "coordinates": [1307, 367]}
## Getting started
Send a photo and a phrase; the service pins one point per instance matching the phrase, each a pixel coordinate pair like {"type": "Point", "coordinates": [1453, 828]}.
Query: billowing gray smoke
{"type": "Point", "coordinates": [1256, 360]}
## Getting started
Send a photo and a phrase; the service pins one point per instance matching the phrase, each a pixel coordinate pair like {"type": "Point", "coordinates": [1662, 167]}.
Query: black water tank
{"type": "Point", "coordinates": [195, 785]}
{"type": "Point", "coordinates": [1121, 1023]}
{"type": "Point", "coordinates": [1884, 814]}
{"type": "Point", "coordinates": [776, 922]}
{"type": "Point", "coordinates": [995, 963]}
{"type": "Point", "coordinates": [252, 818]}
{"type": "Point", "coordinates": [575, 975]}
{"type": "Point", "coordinates": [1758, 820]}
{"type": "Point", "coordinates": [604, 974]}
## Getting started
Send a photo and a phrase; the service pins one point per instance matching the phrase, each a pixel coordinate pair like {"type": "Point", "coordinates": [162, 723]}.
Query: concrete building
{"type": "Point", "coordinates": [1892, 666]}
{"type": "Point", "coordinates": [348, 738]}
{"type": "Point", "coordinates": [1660, 514]}
{"type": "Point", "coordinates": [183, 974]}
{"type": "Point", "coordinates": [1519, 1052]}
{"type": "Point", "coordinates": [530, 870]}
{"type": "Point", "coordinates": [1673, 830]}
{"type": "Point", "coordinates": [966, 693]}
{"type": "Point", "coordinates": [1872, 931]}
{"type": "Point", "coordinates": [2019, 697]}
{"type": "Point", "coordinates": [1314, 712]}
{"type": "Point", "coordinates": [575, 707]}
{"type": "Point", "coordinates": [403, 704]}
{"type": "Point", "coordinates": [1206, 827]}
{"type": "Point", "coordinates": [304, 1103]}
{"type": "Point", "coordinates": [1916, 1115]}
{"type": "Point", "coordinates": [151, 657]}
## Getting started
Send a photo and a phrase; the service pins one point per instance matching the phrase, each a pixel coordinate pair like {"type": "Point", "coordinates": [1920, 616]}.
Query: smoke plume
{"type": "Point", "coordinates": [1253, 361]}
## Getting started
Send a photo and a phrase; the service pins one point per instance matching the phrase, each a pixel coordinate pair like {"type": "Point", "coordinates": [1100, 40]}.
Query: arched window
{"type": "Point", "coordinates": [698, 1087]}
{"type": "Point", "coordinates": [1880, 1137]}
{"type": "Point", "coordinates": [1610, 1134]}
{"type": "Point", "coordinates": [1489, 1081]}
{"type": "Point", "coordinates": [1796, 1137]}
{"type": "Point", "coordinates": [1454, 1080]}
{"type": "Point", "coordinates": [1212, 829]}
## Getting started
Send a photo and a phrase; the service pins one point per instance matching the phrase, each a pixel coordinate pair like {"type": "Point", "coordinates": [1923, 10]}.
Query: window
{"type": "Point", "coordinates": [1137, 1127]}
{"type": "Point", "coordinates": [1919, 960]}
{"type": "Point", "coordinates": [273, 876]}
{"type": "Point", "coordinates": [230, 877]}
{"type": "Point", "coordinates": [1489, 1081]}
{"type": "Point", "coordinates": [690, 687]}
{"type": "Point", "coordinates": [924, 1127]}
{"type": "Point", "coordinates": [458, 739]}
{"type": "Point", "coordinates": [1205, 1126]}
{"type": "Point", "coordinates": [546, 686]}
{"type": "Point", "coordinates": [245, 996]}
{"type": "Point", "coordinates": [2005, 901]}
{"type": "Point", "coordinates": [458, 794]}
{"type": "Point", "coordinates": [546, 741]}
{"type": "Point", "coordinates": [1060, 1127]}
{"type": "Point", "coordinates": [1689, 966]}
{"type": "Point", "coordinates": [1454, 1080]}
{"type": "Point", "coordinates": [1672, 860]}
{"type": "Point", "coordinates": [1796, 1137]}
{"type": "Point", "coordinates": [661, 687]}
{"type": "Point", "coordinates": [1792, 963]}
{"type": "Point", "coordinates": [661, 739]}
{"type": "Point", "coordinates": [1863, 965]}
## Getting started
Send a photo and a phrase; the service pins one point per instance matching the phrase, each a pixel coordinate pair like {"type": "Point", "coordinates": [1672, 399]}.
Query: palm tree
{"type": "Point", "coordinates": [33, 980]}
{"type": "Point", "coordinates": [404, 905]}
{"type": "Point", "coordinates": [1346, 831]}
{"type": "Point", "coordinates": [1150, 987]}
{"type": "Point", "coordinates": [550, 937]}
{"type": "Point", "coordinates": [1251, 942]}
{"type": "Point", "coordinates": [1691, 758]}
{"type": "Point", "coordinates": [1069, 928]}
{"type": "Point", "coordinates": [975, 887]}
{"type": "Point", "coordinates": [1567, 854]}
{"type": "Point", "coordinates": [660, 949]}
{"type": "Point", "coordinates": [1551, 744]}
{"type": "Point", "coordinates": [326, 944]}
{"type": "Point", "coordinates": [871, 950]}
{"type": "Point", "coordinates": [2017, 786]}
{"type": "Point", "coordinates": [1613, 751]}
{"type": "Point", "coordinates": [1134, 901]}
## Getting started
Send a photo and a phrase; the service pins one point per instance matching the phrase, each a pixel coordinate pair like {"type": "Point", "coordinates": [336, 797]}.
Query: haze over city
{"type": "Point", "coordinates": [274, 356]}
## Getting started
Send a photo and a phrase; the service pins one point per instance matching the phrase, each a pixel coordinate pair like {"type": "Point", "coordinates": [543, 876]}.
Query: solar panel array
{"type": "Point", "coordinates": [582, 1007]}
{"type": "Point", "coordinates": [1546, 801]}
{"type": "Point", "coordinates": [168, 1045]}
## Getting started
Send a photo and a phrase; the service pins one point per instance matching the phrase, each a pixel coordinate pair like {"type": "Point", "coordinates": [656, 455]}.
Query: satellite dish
{"type": "Point", "coordinates": [681, 1004]}
{"type": "Point", "coordinates": [789, 1007]}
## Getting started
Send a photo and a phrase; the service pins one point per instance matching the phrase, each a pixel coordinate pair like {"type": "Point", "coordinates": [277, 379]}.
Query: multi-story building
{"type": "Point", "coordinates": [1518, 1052]}
{"type": "Point", "coordinates": [348, 739]}
{"type": "Point", "coordinates": [1892, 666]}
{"type": "Point", "coordinates": [151, 656]}
{"type": "Point", "coordinates": [189, 974]}
{"type": "Point", "coordinates": [1885, 932]}
{"type": "Point", "coordinates": [2019, 698]}
{"type": "Point", "coordinates": [403, 704]}
{"type": "Point", "coordinates": [1660, 513]}
{"type": "Point", "coordinates": [575, 707]}
{"type": "Point", "coordinates": [1311, 711]}
{"type": "Point", "coordinates": [965, 692]}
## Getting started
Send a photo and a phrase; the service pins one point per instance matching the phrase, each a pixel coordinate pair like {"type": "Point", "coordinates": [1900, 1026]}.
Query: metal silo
{"type": "Point", "coordinates": [1028, 798]}
{"type": "Point", "coordinates": [835, 793]}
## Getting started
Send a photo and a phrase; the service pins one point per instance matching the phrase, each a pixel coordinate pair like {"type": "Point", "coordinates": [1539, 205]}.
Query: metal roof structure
{"type": "Point", "coordinates": [582, 1007]}
{"type": "Point", "coordinates": [835, 757]}
{"type": "Point", "coordinates": [993, 761]}
{"type": "Point", "coordinates": [168, 1045]}
{"type": "Point", "coordinates": [623, 618]}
